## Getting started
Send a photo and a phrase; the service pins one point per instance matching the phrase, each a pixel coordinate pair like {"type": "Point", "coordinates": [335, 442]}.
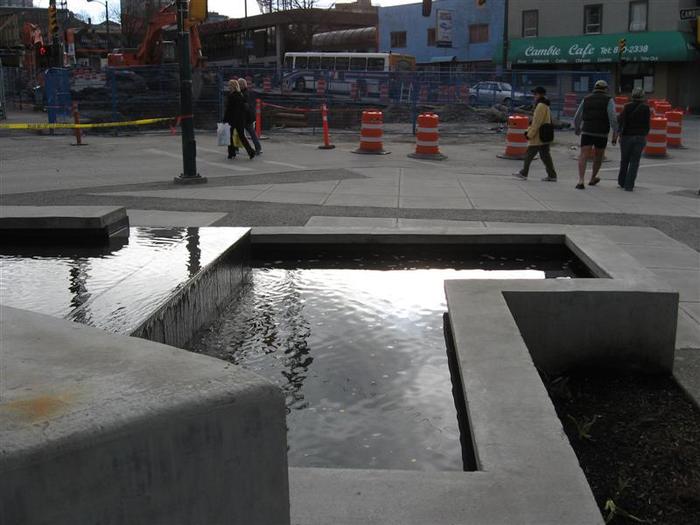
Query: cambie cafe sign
{"type": "Point", "coordinates": [651, 47]}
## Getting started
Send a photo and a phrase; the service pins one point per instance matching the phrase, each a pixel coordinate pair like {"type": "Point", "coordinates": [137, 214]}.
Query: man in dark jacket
{"type": "Point", "coordinates": [634, 128]}
{"type": "Point", "coordinates": [593, 121]}
{"type": "Point", "coordinates": [250, 125]}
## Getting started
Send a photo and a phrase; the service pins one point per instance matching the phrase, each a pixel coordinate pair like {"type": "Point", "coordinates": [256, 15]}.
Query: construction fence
{"type": "Point", "coordinates": [292, 98]}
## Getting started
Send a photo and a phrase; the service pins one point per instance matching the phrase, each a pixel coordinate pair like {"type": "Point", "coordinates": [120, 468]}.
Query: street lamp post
{"type": "Point", "coordinates": [189, 145]}
{"type": "Point", "coordinates": [106, 4]}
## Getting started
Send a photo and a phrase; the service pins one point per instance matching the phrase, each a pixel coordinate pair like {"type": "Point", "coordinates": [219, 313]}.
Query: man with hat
{"type": "Point", "coordinates": [593, 121]}
{"type": "Point", "coordinates": [538, 139]}
{"type": "Point", "coordinates": [634, 122]}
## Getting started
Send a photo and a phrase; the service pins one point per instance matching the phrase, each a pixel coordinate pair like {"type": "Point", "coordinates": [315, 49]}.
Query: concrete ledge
{"type": "Point", "coordinates": [62, 224]}
{"type": "Point", "coordinates": [98, 428]}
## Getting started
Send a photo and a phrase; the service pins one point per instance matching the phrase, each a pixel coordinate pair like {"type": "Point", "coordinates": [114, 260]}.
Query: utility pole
{"type": "Point", "coordinates": [189, 173]}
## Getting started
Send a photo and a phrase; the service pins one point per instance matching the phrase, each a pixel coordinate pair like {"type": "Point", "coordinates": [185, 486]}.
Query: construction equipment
{"type": "Point", "coordinates": [155, 49]}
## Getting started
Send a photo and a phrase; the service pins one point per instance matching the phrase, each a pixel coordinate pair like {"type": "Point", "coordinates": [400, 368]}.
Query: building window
{"type": "Point", "coordinates": [637, 74]}
{"type": "Point", "coordinates": [530, 22]}
{"type": "Point", "coordinates": [431, 36]}
{"type": "Point", "coordinates": [478, 33]}
{"type": "Point", "coordinates": [398, 39]}
{"type": "Point", "coordinates": [593, 19]}
{"type": "Point", "coordinates": [638, 15]}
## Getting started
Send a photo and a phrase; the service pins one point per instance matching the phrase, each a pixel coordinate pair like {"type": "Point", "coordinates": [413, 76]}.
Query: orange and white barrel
{"type": "Point", "coordinates": [384, 93]}
{"type": "Point", "coordinates": [661, 107]}
{"type": "Point", "coordinates": [656, 139]}
{"type": "Point", "coordinates": [620, 104]}
{"type": "Point", "coordinates": [570, 104]}
{"type": "Point", "coordinates": [267, 84]}
{"type": "Point", "coordinates": [464, 93]}
{"type": "Point", "coordinates": [428, 138]}
{"type": "Point", "coordinates": [674, 131]}
{"type": "Point", "coordinates": [321, 87]}
{"type": "Point", "coordinates": [372, 134]}
{"type": "Point", "coordinates": [516, 141]}
{"type": "Point", "coordinates": [423, 94]}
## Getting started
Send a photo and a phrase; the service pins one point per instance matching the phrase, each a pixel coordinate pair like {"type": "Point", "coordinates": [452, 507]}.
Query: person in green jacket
{"type": "Point", "coordinates": [541, 116]}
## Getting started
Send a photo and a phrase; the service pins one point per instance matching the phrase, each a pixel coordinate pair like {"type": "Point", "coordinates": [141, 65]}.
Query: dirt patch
{"type": "Point", "coordinates": [638, 442]}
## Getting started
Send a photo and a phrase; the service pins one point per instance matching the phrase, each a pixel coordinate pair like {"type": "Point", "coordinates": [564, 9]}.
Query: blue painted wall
{"type": "Point", "coordinates": [409, 18]}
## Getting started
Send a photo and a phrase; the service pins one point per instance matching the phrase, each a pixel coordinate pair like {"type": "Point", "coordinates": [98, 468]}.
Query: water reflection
{"type": "Point", "coordinates": [361, 358]}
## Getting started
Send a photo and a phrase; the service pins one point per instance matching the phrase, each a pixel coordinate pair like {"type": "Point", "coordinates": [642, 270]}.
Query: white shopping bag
{"type": "Point", "coordinates": [223, 134]}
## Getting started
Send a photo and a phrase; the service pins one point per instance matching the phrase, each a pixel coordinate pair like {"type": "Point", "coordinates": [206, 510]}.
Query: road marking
{"type": "Point", "coordinates": [217, 164]}
{"type": "Point", "coordinates": [286, 164]}
{"type": "Point", "coordinates": [658, 165]}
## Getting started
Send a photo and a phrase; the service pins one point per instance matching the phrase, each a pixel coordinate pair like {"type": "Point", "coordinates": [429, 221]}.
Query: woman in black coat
{"type": "Point", "coordinates": [236, 115]}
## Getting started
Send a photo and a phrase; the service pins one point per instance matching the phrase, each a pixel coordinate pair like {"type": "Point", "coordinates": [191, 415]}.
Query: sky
{"type": "Point", "coordinates": [232, 8]}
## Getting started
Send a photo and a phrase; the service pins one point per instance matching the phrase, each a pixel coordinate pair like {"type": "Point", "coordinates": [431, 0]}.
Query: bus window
{"type": "Point", "coordinates": [358, 64]}
{"type": "Point", "coordinates": [289, 62]}
{"type": "Point", "coordinates": [301, 63]}
{"type": "Point", "coordinates": [314, 63]}
{"type": "Point", "coordinates": [341, 63]}
{"type": "Point", "coordinates": [327, 62]}
{"type": "Point", "coordinates": [375, 64]}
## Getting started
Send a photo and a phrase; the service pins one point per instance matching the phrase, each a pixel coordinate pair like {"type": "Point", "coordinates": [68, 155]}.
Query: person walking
{"type": "Point", "coordinates": [594, 119]}
{"type": "Point", "coordinates": [539, 138]}
{"type": "Point", "coordinates": [250, 126]}
{"type": "Point", "coordinates": [634, 123]}
{"type": "Point", "coordinates": [236, 114]}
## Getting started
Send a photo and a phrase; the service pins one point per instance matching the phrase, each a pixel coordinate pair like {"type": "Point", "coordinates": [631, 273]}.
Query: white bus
{"type": "Point", "coordinates": [341, 70]}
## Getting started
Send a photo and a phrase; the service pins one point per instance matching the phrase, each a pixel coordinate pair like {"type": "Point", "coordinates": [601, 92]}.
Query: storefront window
{"type": "Point", "coordinates": [530, 22]}
{"type": "Point", "coordinates": [638, 15]}
{"type": "Point", "coordinates": [637, 74]}
{"type": "Point", "coordinates": [593, 19]}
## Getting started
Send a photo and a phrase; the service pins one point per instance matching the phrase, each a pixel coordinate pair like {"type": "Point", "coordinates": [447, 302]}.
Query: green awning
{"type": "Point", "coordinates": [659, 46]}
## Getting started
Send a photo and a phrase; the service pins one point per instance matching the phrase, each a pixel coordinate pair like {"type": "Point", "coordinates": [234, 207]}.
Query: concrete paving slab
{"type": "Point", "coordinates": [527, 204]}
{"type": "Point", "coordinates": [412, 190]}
{"type": "Point", "coordinates": [291, 197]}
{"type": "Point", "coordinates": [351, 222]}
{"type": "Point", "coordinates": [677, 256]}
{"type": "Point", "coordinates": [435, 202]}
{"type": "Point", "coordinates": [353, 199]}
{"type": "Point", "coordinates": [687, 282]}
{"type": "Point", "coordinates": [368, 187]}
{"type": "Point", "coordinates": [210, 193]}
{"type": "Point", "coordinates": [322, 186]}
{"type": "Point", "coordinates": [692, 309]}
{"type": "Point", "coordinates": [688, 335]}
{"type": "Point", "coordinates": [433, 223]}
{"type": "Point", "coordinates": [172, 218]}
{"type": "Point", "coordinates": [637, 235]}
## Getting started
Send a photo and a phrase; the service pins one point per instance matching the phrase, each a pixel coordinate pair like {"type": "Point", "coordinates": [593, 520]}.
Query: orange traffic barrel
{"type": "Point", "coordinates": [372, 134]}
{"type": "Point", "coordinates": [661, 107]}
{"type": "Point", "coordinates": [384, 93]}
{"type": "Point", "coordinates": [516, 141]}
{"type": "Point", "coordinates": [321, 87]}
{"type": "Point", "coordinates": [674, 131]}
{"type": "Point", "coordinates": [267, 84]}
{"type": "Point", "coordinates": [656, 139]}
{"type": "Point", "coordinates": [427, 138]}
{"type": "Point", "coordinates": [570, 104]}
{"type": "Point", "coordinates": [620, 104]}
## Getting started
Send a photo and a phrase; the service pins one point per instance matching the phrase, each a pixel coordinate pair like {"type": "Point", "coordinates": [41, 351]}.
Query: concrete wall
{"type": "Point", "coordinates": [566, 18]}
{"type": "Point", "coordinates": [99, 428]}
{"type": "Point", "coordinates": [409, 18]}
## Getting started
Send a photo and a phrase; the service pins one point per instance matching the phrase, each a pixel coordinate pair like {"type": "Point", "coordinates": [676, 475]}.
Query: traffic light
{"type": "Point", "coordinates": [621, 45]}
{"type": "Point", "coordinates": [53, 20]}
{"type": "Point", "coordinates": [43, 56]}
{"type": "Point", "coordinates": [427, 7]}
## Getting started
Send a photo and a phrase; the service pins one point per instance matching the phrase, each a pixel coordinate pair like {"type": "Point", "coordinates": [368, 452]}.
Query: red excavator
{"type": "Point", "coordinates": [155, 49]}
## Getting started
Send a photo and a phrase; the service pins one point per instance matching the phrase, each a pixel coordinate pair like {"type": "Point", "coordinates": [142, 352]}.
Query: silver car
{"type": "Point", "coordinates": [490, 93]}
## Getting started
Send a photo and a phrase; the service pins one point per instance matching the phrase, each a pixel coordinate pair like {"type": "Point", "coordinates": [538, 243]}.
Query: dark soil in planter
{"type": "Point", "coordinates": [642, 449]}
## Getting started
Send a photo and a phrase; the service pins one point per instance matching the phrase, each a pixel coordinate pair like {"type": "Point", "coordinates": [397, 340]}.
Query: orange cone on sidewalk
{"type": "Point", "coordinates": [326, 134]}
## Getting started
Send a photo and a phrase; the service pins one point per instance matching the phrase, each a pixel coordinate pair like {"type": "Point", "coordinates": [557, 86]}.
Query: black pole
{"type": "Point", "coordinates": [189, 173]}
{"type": "Point", "coordinates": [107, 22]}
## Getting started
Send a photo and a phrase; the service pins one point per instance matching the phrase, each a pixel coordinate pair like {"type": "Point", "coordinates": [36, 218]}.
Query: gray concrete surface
{"type": "Point", "coordinates": [98, 428]}
{"type": "Point", "coordinates": [50, 221]}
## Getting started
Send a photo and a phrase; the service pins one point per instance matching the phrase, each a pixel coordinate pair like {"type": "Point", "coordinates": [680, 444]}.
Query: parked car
{"type": "Point", "coordinates": [490, 93]}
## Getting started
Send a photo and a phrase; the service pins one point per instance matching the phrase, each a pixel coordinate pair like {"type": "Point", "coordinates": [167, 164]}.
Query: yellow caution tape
{"type": "Point", "coordinates": [141, 122]}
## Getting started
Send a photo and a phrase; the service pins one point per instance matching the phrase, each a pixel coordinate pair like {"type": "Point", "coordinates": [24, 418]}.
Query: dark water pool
{"type": "Point", "coordinates": [356, 343]}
